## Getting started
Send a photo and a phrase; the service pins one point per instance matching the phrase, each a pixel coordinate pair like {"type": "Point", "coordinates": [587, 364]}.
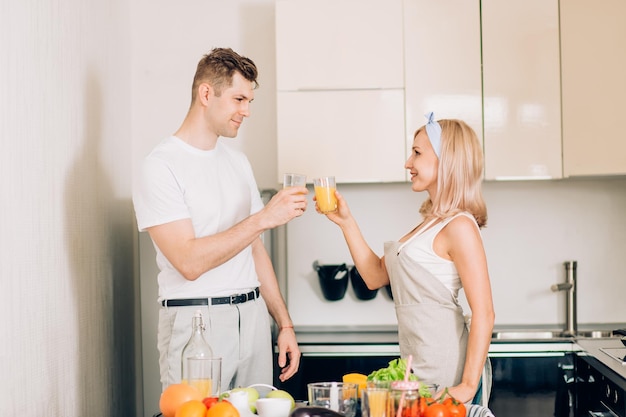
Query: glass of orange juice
{"type": "Point", "coordinates": [325, 188]}
{"type": "Point", "coordinates": [294, 180]}
{"type": "Point", "coordinates": [205, 375]}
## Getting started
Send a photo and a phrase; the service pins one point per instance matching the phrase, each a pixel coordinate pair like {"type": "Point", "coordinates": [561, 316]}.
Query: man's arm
{"type": "Point", "coordinates": [287, 344]}
{"type": "Point", "coordinates": [193, 256]}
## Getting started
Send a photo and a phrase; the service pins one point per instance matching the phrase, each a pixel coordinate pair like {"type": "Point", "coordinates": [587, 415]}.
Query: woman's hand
{"type": "Point", "coordinates": [462, 393]}
{"type": "Point", "coordinates": [339, 216]}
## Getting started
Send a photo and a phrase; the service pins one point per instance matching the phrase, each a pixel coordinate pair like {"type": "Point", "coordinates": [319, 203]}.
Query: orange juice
{"type": "Point", "coordinates": [205, 386]}
{"type": "Point", "coordinates": [326, 200]}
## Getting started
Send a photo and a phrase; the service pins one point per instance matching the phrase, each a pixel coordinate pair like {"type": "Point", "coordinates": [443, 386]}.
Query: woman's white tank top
{"type": "Point", "coordinates": [419, 247]}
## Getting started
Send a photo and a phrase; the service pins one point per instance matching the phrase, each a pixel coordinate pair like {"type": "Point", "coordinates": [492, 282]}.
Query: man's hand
{"type": "Point", "coordinates": [288, 353]}
{"type": "Point", "coordinates": [284, 206]}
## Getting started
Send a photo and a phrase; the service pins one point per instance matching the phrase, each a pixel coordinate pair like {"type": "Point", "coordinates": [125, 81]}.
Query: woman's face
{"type": "Point", "coordinates": [423, 164]}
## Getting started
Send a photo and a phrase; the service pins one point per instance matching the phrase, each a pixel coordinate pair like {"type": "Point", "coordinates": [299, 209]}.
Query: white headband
{"type": "Point", "coordinates": [433, 130]}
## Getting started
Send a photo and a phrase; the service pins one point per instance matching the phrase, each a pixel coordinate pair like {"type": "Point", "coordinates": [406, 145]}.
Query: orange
{"type": "Point", "coordinates": [193, 408]}
{"type": "Point", "coordinates": [222, 409]}
{"type": "Point", "coordinates": [174, 396]}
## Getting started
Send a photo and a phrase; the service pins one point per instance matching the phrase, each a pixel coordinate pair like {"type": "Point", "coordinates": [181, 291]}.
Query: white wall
{"type": "Point", "coordinates": [66, 237]}
{"type": "Point", "coordinates": [533, 228]}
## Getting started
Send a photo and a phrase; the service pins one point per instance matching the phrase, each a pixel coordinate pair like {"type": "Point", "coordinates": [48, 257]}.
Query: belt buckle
{"type": "Point", "coordinates": [232, 300]}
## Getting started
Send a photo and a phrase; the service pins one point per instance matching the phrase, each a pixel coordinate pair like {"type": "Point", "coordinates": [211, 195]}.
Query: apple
{"type": "Point", "coordinates": [279, 393]}
{"type": "Point", "coordinates": [253, 395]}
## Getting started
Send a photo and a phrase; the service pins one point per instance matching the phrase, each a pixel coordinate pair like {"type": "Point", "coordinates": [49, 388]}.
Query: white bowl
{"type": "Point", "coordinates": [273, 407]}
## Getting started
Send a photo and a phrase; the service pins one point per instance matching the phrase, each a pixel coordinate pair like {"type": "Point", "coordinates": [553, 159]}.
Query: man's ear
{"type": "Point", "coordinates": [204, 92]}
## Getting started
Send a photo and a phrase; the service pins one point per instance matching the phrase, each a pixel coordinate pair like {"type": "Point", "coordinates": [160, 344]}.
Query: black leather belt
{"type": "Point", "coordinates": [232, 299]}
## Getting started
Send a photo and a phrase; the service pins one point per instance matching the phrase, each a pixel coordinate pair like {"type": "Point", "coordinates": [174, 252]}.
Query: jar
{"type": "Point", "coordinates": [404, 400]}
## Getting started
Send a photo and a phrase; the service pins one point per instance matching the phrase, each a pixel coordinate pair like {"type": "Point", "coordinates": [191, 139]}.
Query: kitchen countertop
{"type": "Point", "coordinates": [383, 340]}
{"type": "Point", "coordinates": [592, 347]}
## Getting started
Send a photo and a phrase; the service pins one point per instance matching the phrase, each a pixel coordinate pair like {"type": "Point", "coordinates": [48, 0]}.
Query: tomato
{"type": "Point", "coordinates": [457, 410]}
{"type": "Point", "coordinates": [423, 404]}
{"type": "Point", "coordinates": [437, 410]}
{"type": "Point", "coordinates": [210, 401]}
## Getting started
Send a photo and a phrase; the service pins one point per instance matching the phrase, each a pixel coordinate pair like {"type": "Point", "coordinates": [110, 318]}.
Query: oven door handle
{"type": "Point", "coordinates": [600, 413]}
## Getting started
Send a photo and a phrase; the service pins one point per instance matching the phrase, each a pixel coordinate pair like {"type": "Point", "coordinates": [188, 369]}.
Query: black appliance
{"type": "Point", "coordinates": [599, 392]}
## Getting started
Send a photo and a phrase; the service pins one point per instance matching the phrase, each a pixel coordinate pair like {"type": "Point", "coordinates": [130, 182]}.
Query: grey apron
{"type": "Point", "coordinates": [431, 325]}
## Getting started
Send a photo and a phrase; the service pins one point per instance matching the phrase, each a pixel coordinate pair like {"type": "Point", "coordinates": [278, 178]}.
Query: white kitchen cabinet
{"type": "Point", "coordinates": [593, 54]}
{"type": "Point", "coordinates": [339, 44]}
{"type": "Point", "coordinates": [355, 135]}
{"type": "Point", "coordinates": [521, 89]}
{"type": "Point", "coordinates": [442, 62]}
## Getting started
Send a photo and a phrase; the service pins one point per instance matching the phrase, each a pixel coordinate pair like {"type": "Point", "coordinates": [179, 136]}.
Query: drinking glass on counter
{"type": "Point", "coordinates": [337, 396]}
{"type": "Point", "coordinates": [375, 402]}
{"type": "Point", "coordinates": [205, 374]}
{"type": "Point", "coordinates": [325, 194]}
{"type": "Point", "coordinates": [294, 180]}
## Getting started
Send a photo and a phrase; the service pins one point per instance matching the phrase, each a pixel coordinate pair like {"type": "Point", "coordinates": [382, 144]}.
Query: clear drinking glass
{"type": "Point", "coordinates": [375, 402]}
{"type": "Point", "coordinates": [205, 374]}
{"type": "Point", "coordinates": [294, 180]}
{"type": "Point", "coordinates": [337, 396]}
{"type": "Point", "coordinates": [325, 188]}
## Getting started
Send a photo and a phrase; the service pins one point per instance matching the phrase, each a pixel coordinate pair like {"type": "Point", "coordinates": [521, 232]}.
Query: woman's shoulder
{"type": "Point", "coordinates": [462, 217]}
{"type": "Point", "coordinates": [462, 223]}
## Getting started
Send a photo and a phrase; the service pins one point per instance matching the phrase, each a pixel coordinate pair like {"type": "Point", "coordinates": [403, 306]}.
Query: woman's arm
{"type": "Point", "coordinates": [463, 245]}
{"type": "Point", "coordinates": [369, 264]}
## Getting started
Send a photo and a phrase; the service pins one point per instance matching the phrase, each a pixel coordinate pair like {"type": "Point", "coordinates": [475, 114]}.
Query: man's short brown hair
{"type": "Point", "coordinates": [218, 67]}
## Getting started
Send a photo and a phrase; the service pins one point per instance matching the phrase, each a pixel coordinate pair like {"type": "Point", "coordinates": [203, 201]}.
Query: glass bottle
{"type": "Point", "coordinates": [197, 346]}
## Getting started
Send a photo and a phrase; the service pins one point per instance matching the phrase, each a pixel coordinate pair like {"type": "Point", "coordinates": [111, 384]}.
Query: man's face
{"type": "Point", "coordinates": [225, 113]}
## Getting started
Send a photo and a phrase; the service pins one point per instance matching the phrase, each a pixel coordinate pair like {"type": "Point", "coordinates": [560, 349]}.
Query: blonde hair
{"type": "Point", "coordinates": [459, 179]}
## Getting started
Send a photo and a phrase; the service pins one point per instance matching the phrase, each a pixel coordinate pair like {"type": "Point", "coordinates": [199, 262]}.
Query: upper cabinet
{"type": "Point", "coordinates": [354, 135]}
{"type": "Point", "coordinates": [339, 44]}
{"type": "Point", "coordinates": [593, 55]}
{"type": "Point", "coordinates": [522, 96]}
{"type": "Point", "coordinates": [340, 81]}
{"type": "Point", "coordinates": [540, 81]}
{"type": "Point", "coordinates": [442, 62]}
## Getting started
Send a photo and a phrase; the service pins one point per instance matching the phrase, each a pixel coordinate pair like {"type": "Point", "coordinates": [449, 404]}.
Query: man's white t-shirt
{"type": "Point", "coordinates": [216, 189]}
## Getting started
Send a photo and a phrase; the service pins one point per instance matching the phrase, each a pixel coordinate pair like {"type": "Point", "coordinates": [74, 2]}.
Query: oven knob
{"type": "Point", "coordinates": [615, 397]}
{"type": "Point", "coordinates": [607, 392]}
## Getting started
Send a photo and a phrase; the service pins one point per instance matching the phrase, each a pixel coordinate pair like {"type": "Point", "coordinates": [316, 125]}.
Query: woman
{"type": "Point", "coordinates": [429, 265]}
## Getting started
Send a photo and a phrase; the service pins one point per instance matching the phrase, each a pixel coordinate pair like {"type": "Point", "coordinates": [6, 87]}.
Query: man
{"type": "Point", "coordinates": [199, 202]}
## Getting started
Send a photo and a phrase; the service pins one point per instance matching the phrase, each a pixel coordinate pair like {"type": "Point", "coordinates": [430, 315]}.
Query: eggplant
{"type": "Point", "coordinates": [310, 411]}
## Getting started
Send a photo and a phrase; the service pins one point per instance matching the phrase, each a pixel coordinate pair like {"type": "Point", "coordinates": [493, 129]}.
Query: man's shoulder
{"type": "Point", "coordinates": [164, 148]}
